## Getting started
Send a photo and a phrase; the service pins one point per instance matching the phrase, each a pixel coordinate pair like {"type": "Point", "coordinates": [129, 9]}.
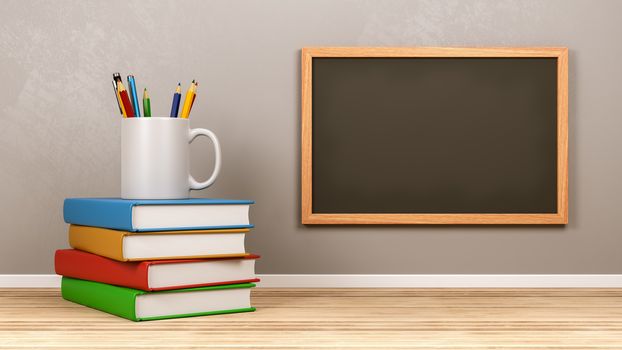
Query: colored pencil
{"type": "Point", "coordinates": [146, 104]}
{"type": "Point", "coordinates": [121, 103]}
{"type": "Point", "coordinates": [131, 82]}
{"type": "Point", "coordinates": [185, 112]}
{"type": "Point", "coordinates": [129, 110]}
{"type": "Point", "coordinates": [194, 96]}
{"type": "Point", "coordinates": [176, 99]}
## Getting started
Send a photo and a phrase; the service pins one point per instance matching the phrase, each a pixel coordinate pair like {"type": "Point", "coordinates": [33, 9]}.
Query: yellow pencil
{"type": "Point", "coordinates": [121, 103]}
{"type": "Point", "coordinates": [185, 112]}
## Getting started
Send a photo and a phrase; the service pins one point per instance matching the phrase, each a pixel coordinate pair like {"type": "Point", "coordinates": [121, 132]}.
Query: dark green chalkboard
{"type": "Point", "coordinates": [434, 135]}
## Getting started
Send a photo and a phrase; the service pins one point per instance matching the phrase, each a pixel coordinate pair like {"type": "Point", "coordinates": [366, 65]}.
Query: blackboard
{"type": "Point", "coordinates": [465, 138]}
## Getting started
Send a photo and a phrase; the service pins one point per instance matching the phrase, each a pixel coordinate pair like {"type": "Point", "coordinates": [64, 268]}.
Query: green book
{"type": "Point", "coordinates": [138, 305]}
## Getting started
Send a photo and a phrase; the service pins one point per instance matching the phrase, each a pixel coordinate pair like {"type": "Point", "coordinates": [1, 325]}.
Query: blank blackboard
{"type": "Point", "coordinates": [434, 135]}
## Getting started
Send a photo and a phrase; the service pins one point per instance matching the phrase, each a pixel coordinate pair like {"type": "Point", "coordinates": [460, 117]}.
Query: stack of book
{"type": "Point", "coordinates": [157, 259]}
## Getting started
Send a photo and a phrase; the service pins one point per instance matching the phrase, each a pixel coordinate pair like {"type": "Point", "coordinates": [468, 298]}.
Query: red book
{"type": "Point", "coordinates": [157, 274]}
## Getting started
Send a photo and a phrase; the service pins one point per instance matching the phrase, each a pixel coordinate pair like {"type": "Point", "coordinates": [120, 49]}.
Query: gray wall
{"type": "Point", "coordinates": [60, 136]}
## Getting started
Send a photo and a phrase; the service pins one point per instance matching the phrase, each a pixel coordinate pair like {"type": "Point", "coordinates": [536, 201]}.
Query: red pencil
{"type": "Point", "coordinates": [192, 102]}
{"type": "Point", "coordinates": [194, 95]}
{"type": "Point", "coordinates": [129, 110]}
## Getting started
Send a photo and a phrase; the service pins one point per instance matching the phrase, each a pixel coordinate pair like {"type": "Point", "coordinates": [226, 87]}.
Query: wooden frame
{"type": "Point", "coordinates": [561, 217]}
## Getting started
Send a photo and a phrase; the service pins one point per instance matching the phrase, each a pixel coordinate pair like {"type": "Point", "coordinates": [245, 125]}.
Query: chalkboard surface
{"type": "Point", "coordinates": [434, 135]}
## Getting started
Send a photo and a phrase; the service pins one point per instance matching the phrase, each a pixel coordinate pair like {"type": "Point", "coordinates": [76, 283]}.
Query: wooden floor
{"type": "Point", "coordinates": [334, 318]}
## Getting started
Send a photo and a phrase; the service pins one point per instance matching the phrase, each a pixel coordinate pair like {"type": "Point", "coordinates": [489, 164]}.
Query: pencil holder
{"type": "Point", "coordinates": [155, 158]}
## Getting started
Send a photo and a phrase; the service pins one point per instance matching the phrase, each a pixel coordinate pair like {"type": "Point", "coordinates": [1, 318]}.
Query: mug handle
{"type": "Point", "coordinates": [194, 184]}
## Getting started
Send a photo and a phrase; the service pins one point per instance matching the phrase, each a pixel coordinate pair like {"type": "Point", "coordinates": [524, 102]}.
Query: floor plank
{"type": "Point", "coordinates": [334, 318]}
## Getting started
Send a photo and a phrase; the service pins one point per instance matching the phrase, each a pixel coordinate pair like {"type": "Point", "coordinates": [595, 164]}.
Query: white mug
{"type": "Point", "coordinates": [155, 158]}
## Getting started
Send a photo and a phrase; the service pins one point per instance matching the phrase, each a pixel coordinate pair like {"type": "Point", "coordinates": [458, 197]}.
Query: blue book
{"type": "Point", "coordinates": [157, 215]}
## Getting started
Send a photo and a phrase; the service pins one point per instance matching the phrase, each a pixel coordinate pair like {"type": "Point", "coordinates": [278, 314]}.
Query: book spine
{"type": "Point", "coordinates": [93, 212]}
{"type": "Point", "coordinates": [119, 301]}
{"type": "Point", "coordinates": [86, 266]}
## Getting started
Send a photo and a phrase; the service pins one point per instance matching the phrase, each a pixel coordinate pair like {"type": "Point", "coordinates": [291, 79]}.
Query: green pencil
{"type": "Point", "coordinates": [146, 104]}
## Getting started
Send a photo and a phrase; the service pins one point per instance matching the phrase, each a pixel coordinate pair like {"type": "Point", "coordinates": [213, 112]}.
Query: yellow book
{"type": "Point", "coordinates": [158, 245]}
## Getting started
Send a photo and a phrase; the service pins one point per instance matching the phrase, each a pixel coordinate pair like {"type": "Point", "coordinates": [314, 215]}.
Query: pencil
{"type": "Point", "coordinates": [121, 102]}
{"type": "Point", "coordinates": [133, 95]}
{"type": "Point", "coordinates": [127, 105]}
{"type": "Point", "coordinates": [176, 99]}
{"type": "Point", "coordinates": [146, 104]}
{"type": "Point", "coordinates": [194, 96]}
{"type": "Point", "coordinates": [185, 112]}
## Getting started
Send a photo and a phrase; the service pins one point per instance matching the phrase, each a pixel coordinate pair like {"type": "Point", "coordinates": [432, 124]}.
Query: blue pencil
{"type": "Point", "coordinates": [176, 99]}
{"type": "Point", "coordinates": [133, 95]}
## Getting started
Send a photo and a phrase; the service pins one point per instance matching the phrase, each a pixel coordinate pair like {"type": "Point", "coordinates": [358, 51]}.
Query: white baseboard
{"type": "Point", "coordinates": [29, 281]}
{"type": "Point", "coordinates": [441, 281]}
{"type": "Point", "coordinates": [382, 281]}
